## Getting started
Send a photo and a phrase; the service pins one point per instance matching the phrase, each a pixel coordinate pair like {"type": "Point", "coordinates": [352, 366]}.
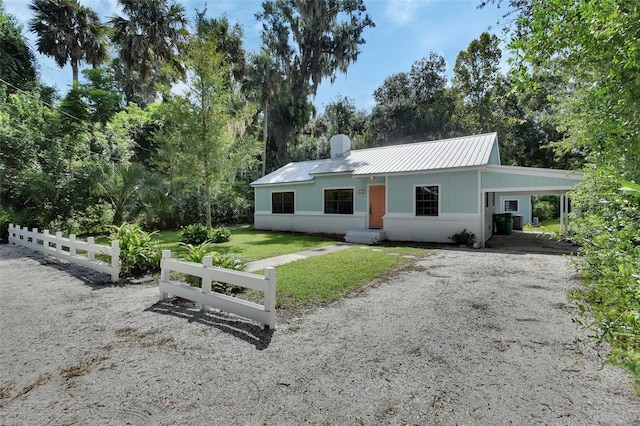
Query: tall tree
{"type": "Point", "coordinates": [264, 79]}
{"type": "Point", "coordinates": [413, 106]}
{"type": "Point", "coordinates": [203, 138]}
{"type": "Point", "coordinates": [148, 37]}
{"type": "Point", "coordinates": [69, 33]}
{"type": "Point", "coordinates": [476, 73]}
{"type": "Point", "coordinates": [17, 61]}
{"type": "Point", "coordinates": [311, 40]}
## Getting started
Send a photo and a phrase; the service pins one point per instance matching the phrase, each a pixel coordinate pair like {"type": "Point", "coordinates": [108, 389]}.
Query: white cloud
{"type": "Point", "coordinates": [402, 12]}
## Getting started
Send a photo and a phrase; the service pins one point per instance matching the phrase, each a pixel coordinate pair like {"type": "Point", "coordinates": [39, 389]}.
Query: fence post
{"type": "Point", "coordinates": [11, 234]}
{"type": "Point", "coordinates": [164, 274]}
{"type": "Point", "coordinates": [207, 262]}
{"type": "Point", "coordinates": [35, 236]}
{"type": "Point", "coordinates": [72, 247]}
{"type": "Point", "coordinates": [91, 255]}
{"type": "Point", "coordinates": [58, 242]}
{"type": "Point", "coordinates": [270, 296]}
{"type": "Point", "coordinates": [115, 261]}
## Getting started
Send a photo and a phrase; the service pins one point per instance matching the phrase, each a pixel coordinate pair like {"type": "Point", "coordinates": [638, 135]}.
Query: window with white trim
{"type": "Point", "coordinates": [338, 201]}
{"type": "Point", "coordinates": [510, 206]}
{"type": "Point", "coordinates": [427, 200]}
{"type": "Point", "coordinates": [282, 202]}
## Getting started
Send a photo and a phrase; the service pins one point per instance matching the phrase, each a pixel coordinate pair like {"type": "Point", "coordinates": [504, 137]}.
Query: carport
{"type": "Point", "coordinates": [496, 180]}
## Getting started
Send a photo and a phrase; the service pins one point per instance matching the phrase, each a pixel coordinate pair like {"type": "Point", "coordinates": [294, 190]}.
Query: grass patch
{"type": "Point", "coordinates": [251, 244]}
{"type": "Point", "coordinates": [323, 279]}
{"type": "Point", "coordinates": [551, 226]}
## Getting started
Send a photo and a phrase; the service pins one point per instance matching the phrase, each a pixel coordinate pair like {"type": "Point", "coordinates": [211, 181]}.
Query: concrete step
{"type": "Point", "coordinates": [365, 236]}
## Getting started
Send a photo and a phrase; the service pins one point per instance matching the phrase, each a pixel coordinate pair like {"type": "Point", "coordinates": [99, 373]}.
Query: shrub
{"type": "Point", "coordinates": [199, 234]}
{"type": "Point", "coordinates": [138, 250]}
{"type": "Point", "coordinates": [609, 299]}
{"type": "Point", "coordinates": [219, 235]}
{"type": "Point", "coordinates": [545, 207]}
{"type": "Point", "coordinates": [195, 234]}
{"type": "Point", "coordinates": [196, 253]}
{"type": "Point", "coordinates": [463, 238]}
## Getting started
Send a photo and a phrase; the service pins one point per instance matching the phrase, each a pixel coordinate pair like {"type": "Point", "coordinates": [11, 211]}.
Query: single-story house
{"type": "Point", "coordinates": [425, 191]}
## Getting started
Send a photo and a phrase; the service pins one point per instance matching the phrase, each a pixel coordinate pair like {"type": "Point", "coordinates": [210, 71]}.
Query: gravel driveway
{"type": "Point", "coordinates": [462, 337]}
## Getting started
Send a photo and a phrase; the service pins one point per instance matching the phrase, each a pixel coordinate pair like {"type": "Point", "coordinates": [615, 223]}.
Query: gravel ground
{"type": "Point", "coordinates": [462, 337]}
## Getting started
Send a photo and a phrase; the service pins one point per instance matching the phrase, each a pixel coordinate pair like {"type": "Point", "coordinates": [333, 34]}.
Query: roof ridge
{"type": "Point", "coordinates": [423, 142]}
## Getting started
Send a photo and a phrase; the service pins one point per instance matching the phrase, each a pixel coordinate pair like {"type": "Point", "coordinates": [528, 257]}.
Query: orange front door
{"type": "Point", "coordinates": [377, 205]}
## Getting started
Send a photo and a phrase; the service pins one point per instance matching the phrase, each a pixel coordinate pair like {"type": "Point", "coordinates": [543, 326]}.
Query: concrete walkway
{"type": "Point", "coordinates": [292, 257]}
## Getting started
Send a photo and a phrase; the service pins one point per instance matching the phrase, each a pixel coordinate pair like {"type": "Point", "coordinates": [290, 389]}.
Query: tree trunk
{"type": "Point", "coordinates": [74, 69]}
{"type": "Point", "coordinates": [264, 138]}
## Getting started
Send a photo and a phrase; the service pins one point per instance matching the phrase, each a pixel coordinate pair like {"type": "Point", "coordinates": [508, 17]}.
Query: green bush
{"type": "Point", "coordinates": [196, 253]}
{"type": "Point", "coordinates": [194, 234]}
{"type": "Point", "coordinates": [219, 235]}
{"type": "Point", "coordinates": [463, 238]}
{"type": "Point", "coordinates": [139, 253]}
{"type": "Point", "coordinates": [545, 207]}
{"type": "Point", "coordinates": [199, 234]}
{"type": "Point", "coordinates": [608, 232]}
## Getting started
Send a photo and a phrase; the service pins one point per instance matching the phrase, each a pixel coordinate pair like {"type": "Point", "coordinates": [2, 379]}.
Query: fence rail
{"type": "Point", "coordinates": [69, 248]}
{"type": "Point", "coordinates": [205, 297]}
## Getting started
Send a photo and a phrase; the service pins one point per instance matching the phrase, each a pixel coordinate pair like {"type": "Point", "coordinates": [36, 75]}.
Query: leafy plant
{"type": "Point", "coordinates": [198, 234]}
{"type": "Point", "coordinates": [609, 299]}
{"type": "Point", "coordinates": [138, 250]}
{"type": "Point", "coordinates": [195, 234]}
{"type": "Point", "coordinates": [463, 238]}
{"type": "Point", "coordinates": [219, 235]}
{"type": "Point", "coordinates": [196, 253]}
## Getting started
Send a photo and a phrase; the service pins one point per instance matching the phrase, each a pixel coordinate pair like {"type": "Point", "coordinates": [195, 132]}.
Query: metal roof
{"type": "Point", "coordinates": [467, 151]}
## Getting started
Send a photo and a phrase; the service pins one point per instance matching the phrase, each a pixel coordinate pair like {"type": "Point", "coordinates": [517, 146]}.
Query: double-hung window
{"type": "Point", "coordinates": [282, 202]}
{"type": "Point", "coordinates": [338, 201]}
{"type": "Point", "coordinates": [426, 200]}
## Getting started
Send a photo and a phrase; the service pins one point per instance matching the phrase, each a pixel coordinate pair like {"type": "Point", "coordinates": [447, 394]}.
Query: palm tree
{"type": "Point", "coordinates": [265, 79]}
{"type": "Point", "coordinates": [148, 39]}
{"type": "Point", "coordinates": [69, 33]}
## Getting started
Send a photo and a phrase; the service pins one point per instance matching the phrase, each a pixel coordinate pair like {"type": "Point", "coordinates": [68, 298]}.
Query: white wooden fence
{"type": "Point", "coordinates": [266, 314]}
{"type": "Point", "coordinates": [68, 248]}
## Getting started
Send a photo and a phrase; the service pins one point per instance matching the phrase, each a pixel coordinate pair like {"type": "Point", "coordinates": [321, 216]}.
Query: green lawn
{"type": "Point", "coordinates": [251, 244]}
{"type": "Point", "coordinates": [323, 279]}
{"type": "Point", "coordinates": [551, 226]}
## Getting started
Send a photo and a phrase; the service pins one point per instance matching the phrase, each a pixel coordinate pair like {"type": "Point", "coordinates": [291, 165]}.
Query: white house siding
{"type": "Point", "coordinates": [406, 227]}
{"type": "Point", "coordinates": [308, 222]}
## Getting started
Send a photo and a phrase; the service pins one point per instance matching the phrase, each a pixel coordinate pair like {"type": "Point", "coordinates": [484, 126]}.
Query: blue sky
{"type": "Point", "coordinates": [405, 31]}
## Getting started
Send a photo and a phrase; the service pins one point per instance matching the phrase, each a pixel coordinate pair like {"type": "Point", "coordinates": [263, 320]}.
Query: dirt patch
{"type": "Point", "coordinates": [464, 337]}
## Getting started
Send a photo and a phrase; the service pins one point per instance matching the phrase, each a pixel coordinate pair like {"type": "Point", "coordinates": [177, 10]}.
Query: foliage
{"type": "Point", "coordinates": [138, 249]}
{"type": "Point", "coordinates": [199, 234]}
{"type": "Point", "coordinates": [545, 207]}
{"type": "Point", "coordinates": [204, 138]}
{"type": "Point", "coordinates": [125, 186]}
{"type": "Point", "coordinates": [609, 260]}
{"type": "Point", "coordinates": [463, 238]}
{"type": "Point", "coordinates": [413, 106]}
{"type": "Point", "coordinates": [69, 33]}
{"type": "Point", "coordinates": [219, 235]}
{"type": "Point", "coordinates": [148, 36]}
{"type": "Point", "coordinates": [17, 61]}
{"type": "Point", "coordinates": [477, 73]}
{"type": "Point", "coordinates": [311, 41]}
{"type": "Point", "coordinates": [196, 253]}
{"type": "Point", "coordinates": [194, 234]}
